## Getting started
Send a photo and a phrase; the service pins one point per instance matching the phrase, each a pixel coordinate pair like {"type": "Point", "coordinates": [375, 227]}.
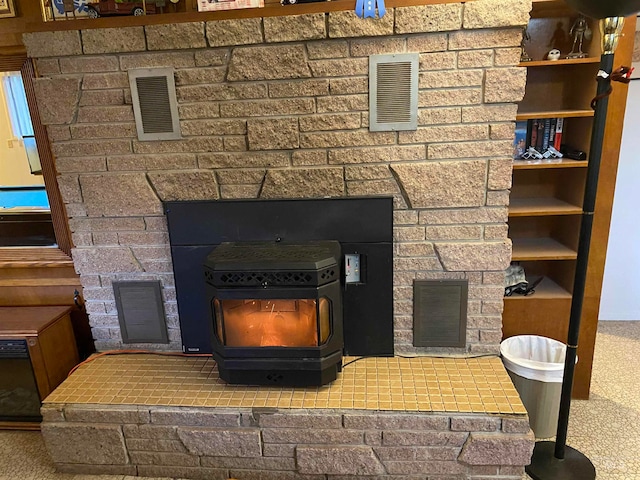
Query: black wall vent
{"type": "Point", "coordinates": [140, 312]}
{"type": "Point", "coordinates": [440, 313]}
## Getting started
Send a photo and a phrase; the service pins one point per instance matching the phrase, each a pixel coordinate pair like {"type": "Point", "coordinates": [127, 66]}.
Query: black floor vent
{"type": "Point", "coordinates": [440, 313]}
{"type": "Point", "coordinates": [140, 312]}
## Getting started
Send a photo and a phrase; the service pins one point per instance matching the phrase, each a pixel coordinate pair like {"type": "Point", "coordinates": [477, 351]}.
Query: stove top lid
{"type": "Point", "coordinates": [274, 256]}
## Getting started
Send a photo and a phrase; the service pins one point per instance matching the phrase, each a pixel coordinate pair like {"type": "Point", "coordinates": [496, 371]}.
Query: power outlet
{"type": "Point", "coordinates": [352, 268]}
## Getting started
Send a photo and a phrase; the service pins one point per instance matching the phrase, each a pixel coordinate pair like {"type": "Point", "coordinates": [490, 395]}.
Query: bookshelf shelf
{"type": "Point", "coordinates": [550, 8]}
{"type": "Point", "coordinates": [554, 114]}
{"type": "Point", "coordinates": [546, 289]}
{"type": "Point", "coordinates": [545, 164]}
{"type": "Point", "coordinates": [545, 313]}
{"type": "Point", "coordinates": [562, 61]}
{"type": "Point", "coordinates": [525, 249]}
{"type": "Point", "coordinates": [541, 206]}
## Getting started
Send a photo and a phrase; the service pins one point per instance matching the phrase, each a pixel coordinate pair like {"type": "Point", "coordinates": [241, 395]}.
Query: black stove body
{"type": "Point", "coordinates": [276, 312]}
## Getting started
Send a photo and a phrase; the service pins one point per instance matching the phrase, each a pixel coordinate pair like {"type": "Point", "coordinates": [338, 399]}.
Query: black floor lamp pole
{"type": "Point", "coordinates": [556, 460]}
{"type": "Point", "coordinates": [584, 244]}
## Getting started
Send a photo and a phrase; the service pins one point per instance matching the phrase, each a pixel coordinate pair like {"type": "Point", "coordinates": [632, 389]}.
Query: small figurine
{"type": "Point", "coordinates": [554, 54]}
{"type": "Point", "coordinates": [579, 31]}
{"type": "Point", "coordinates": [524, 56]}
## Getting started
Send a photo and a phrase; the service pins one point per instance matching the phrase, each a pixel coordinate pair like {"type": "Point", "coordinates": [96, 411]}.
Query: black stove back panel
{"type": "Point", "coordinates": [361, 225]}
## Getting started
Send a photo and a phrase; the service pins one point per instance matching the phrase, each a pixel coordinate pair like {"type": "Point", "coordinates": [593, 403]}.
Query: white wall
{"type": "Point", "coordinates": [620, 298]}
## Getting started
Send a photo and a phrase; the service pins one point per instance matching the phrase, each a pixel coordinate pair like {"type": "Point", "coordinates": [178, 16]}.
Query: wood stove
{"type": "Point", "coordinates": [276, 312]}
{"type": "Point", "coordinates": [363, 227]}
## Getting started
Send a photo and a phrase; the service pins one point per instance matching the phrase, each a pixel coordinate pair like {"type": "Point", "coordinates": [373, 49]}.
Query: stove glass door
{"type": "Point", "coordinates": [272, 322]}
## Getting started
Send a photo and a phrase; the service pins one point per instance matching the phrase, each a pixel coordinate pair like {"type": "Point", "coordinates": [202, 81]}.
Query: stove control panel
{"type": "Point", "coordinates": [352, 268]}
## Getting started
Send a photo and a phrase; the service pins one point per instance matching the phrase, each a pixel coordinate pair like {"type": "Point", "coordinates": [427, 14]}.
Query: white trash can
{"type": "Point", "coordinates": [536, 367]}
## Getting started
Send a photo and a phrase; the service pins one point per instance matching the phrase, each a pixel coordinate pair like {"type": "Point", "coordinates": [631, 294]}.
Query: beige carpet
{"type": "Point", "coordinates": [605, 428]}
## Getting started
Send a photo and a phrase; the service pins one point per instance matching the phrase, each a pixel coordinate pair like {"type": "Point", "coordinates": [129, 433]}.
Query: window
{"type": "Point", "coordinates": [31, 210]}
{"type": "Point", "coordinates": [18, 109]}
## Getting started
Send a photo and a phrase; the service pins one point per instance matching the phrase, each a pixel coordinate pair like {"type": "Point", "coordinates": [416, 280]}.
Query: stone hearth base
{"type": "Point", "coordinates": [165, 437]}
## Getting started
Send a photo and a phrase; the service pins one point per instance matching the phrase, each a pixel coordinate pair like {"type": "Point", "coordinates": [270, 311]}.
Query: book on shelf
{"type": "Point", "coordinates": [520, 141]}
{"type": "Point", "coordinates": [545, 135]}
{"type": "Point", "coordinates": [540, 142]}
{"type": "Point", "coordinates": [552, 131]}
{"type": "Point", "coordinates": [557, 143]}
{"type": "Point", "coordinates": [538, 139]}
{"type": "Point", "coordinates": [533, 126]}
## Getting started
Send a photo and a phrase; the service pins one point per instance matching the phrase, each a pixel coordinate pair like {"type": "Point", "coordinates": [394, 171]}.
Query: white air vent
{"type": "Point", "coordinates": [393, 92]}
{"type": "Point", "coordinates": [153, 92]}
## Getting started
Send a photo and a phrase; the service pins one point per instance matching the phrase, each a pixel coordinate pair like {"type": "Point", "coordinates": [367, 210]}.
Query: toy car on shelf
{"type": "Point", "coordinates": [104, 8]}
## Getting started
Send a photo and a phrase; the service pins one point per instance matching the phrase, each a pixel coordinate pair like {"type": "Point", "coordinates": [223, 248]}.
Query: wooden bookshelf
{"type": "Point", "coordinates": [546, 197]}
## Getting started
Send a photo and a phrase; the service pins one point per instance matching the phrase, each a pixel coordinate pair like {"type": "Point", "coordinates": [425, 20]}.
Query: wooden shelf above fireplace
{"type": "Point", "coordinates": [272, 8]}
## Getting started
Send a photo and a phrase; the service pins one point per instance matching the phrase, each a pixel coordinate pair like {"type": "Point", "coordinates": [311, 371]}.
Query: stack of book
{"type": "Point", "coordinates": [538, 139]}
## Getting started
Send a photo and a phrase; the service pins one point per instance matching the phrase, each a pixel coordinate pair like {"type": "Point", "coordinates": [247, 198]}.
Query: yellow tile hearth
{"type": "Point", "coordinates": [421, 384]}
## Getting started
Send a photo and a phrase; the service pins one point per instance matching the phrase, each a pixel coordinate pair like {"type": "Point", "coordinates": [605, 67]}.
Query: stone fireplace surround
{"type": "Point", "coordinates": [276, 107]}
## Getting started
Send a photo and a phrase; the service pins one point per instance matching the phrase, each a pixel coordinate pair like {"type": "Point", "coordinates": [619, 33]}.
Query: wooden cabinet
{"type": "Point", "coordinates": [50, 342]}
{"type": "Point", "coordinates": [546, 197]}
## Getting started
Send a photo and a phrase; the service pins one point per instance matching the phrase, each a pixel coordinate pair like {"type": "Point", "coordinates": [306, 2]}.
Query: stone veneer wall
{"type": "Point", "coordinates": [277, 107]}
{"type": "Point", "coordinates": [297, 445]}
